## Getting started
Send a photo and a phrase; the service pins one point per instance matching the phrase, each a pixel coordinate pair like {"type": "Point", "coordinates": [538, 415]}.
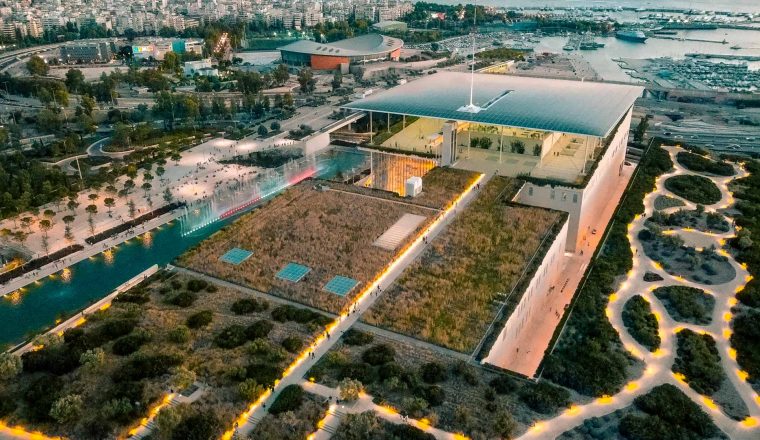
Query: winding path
{"type": "Point", "coordinates": [658, 363]}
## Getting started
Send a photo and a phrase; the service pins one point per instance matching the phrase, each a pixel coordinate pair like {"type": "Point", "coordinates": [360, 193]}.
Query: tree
{"type": "Point", "coordinates": [275, 126]}
{"type": "Point", "coordinates": [146, 187]}
{"type": "Point", "coordinates": [87, 103]}
{"type": "Point", "coordinates": [91, 210]}
{"type": "Point", "coordinates": [74, 80]}
{"type": "Point", "coordinates": [10, 366]}
{"type": "Point", "coordinates": [109, 203]}
{"type": "Point", "coordinates": [262, 131]}
{"type": "Point", "coordinates": [37, 66]}
{"type": "Point", "coordinates": [641, 130]}
{"type": "Point", "coordinates": [168, 196]}
{"type": "Point", "coordinates": [132, 209]}
{"type": "Point", "coordinates": [306, 80]}
{"type": "Point", "coordinates": [67, 408]}
{"type": "Point", "coordinates": [518, 147]}
{"type": "Point", "coordinates": [129, 184]}
{"type": "Point", "coordinates": [170, 62]}
{"type": "Point", "coordinates": [337, 80]}
{"type": "Point", "coordinates": [72, 205]}
{"type": "Point", "coordinates": [350, 389]}
{"type": "Point", "coordinates": [280, 75]}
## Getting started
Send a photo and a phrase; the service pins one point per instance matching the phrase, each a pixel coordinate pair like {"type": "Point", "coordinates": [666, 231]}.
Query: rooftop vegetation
{"type": "Point", "coordinates": [447, 297]}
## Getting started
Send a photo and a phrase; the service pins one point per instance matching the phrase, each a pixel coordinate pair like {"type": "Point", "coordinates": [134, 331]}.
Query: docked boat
{"type": "Point", "coordinates": [635, 36]}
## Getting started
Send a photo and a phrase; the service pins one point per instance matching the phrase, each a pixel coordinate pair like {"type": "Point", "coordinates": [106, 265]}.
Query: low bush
{"type": "Point", "coordinates": [433, 372]}
{"type": "Point", "coordinates": [130, 343]}
{"type": "Point", "coordinates": [379, 354]}
{"type": "Point", "coordinates": [698, 360]}
{"type": "Point", "coordinates": [179, 334]}
{"type": "Point", "coordinates": [182, 299]}
{"type": "Point", "coordinates": [641, 322]}
{"type": "Point", "coordinates": [503, 384]}
{"type": "Point", "coordinates": [287, 312]}
{"type": "Point", "coordinates": [196, 286]}
{"type": "Point", "coordinates": [231, 337]}
{"type": "Point", "coordinates": [57, 360]}
{"type": "Point", "coordinates": [434, 395]}
{"type": "Point", "coordinates": [289, 399]}
{"type": "Point", "coordinates": [292, 344]}
{"type": "Point", "coordinates": [699, 164]}
{"type": "Point", "coordinates": [136, 296]}
{"type": "Point", "coordinates": [143, 366]}
{"type": "Point", "coordinates": [108, 331]}
{"type": "Point", "coordinates": [199, 426]}
{"type": "Point", "coordinates": [356, 337]}
{"type": "Point", "coordinates": [696, 189]}
{"type": "Point", "coordinates": [544, 397]}
{"type": "Point", "coordinates": [259, 329]}
{"type": "Point", "coordinates": [249, 305]}
{"type": "Point", "coordinates": [264, 374]}
{"type": "Point", "coordinates": [200, 319]}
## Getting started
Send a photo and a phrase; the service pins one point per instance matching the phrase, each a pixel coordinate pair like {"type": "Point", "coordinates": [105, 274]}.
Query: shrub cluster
{"type": "Point", "coordinates": [699, 164]}
{"type": "Point", "coordinates": [686, 304]}
{"type": "Point", "coordinates": [641, 322]}
{"type": "Point", "coordinates": [668, 415]}
{"type": "Point", "coordinates": [698, 360]}
{"type": "Point", "coordinates": [287, 312]}
{"type": "Point", "coordinates": [696, 189]}
{"type": "Point", "coordinates": [236, 335]}
{"type": "Point", "coordinates": [249, 305]}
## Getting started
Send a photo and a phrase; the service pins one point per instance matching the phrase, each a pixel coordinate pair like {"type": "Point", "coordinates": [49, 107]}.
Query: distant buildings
{"type": "Point", "coordinates": [146, 16]}
{"type": "Point", "coordinates": [86, 53]}
{"type": "Point", "coordinates": [157, 48]}
{"type": "Point", "coordinates": [342, 54]}
{"type": "Point", "coordinates": [200, 68]}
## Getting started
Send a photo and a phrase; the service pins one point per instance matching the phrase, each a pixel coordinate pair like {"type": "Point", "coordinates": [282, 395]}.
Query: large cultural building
{"type": "Point", "coordinates": [566, 139]}
{"type": "Point", "coordinates": [342, 54]}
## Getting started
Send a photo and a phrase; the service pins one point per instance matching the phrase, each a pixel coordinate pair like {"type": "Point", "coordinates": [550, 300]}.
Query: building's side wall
{"type": "Point", "coordinates": [549, 141]}
{"type": "Point", "coordinates": [539, 287]}
{"type": "Point", "coordinates": [326, 62]}
{"type": "Point", "coordinates": [583, 205]}
{"type": "Point", "coordinates": [602, 184]}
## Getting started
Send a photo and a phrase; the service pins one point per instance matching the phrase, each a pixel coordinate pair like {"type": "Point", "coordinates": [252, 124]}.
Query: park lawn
{"type": "Point", "coordinates": [331, 232]}
{"type": "Point", "coordinates": [115, 394]}
{"type": "Point", "coordinates": [440, 186]}
{"type": "Point", "coordinates": [448, 296]}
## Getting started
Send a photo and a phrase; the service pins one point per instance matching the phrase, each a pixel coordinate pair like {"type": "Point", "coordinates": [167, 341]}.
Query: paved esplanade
{"type": "Point", "coordinates": [658, 364]}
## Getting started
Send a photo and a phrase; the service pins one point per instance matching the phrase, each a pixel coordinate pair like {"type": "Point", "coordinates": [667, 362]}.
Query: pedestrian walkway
{"type": "Point", "coordinates": [299, 368]}
{"type": "Point", "coordinates": [658, 364]}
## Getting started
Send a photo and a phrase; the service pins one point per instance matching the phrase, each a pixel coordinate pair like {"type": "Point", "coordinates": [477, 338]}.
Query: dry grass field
{"type": "Point", "coordinates": [447, 296]}
{"type": "Point", "coordinates": [330, 232]}
{"type": "Point", "coordinates": [440, 187]}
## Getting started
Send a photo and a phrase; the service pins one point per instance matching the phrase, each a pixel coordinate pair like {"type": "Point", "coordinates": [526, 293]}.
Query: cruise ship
{"type": "Point", "coordinates": [636, 36]}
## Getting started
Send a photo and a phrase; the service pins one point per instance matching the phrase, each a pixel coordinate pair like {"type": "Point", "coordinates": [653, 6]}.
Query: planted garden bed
{"type": "Point", "coordinates": [449, 295]}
